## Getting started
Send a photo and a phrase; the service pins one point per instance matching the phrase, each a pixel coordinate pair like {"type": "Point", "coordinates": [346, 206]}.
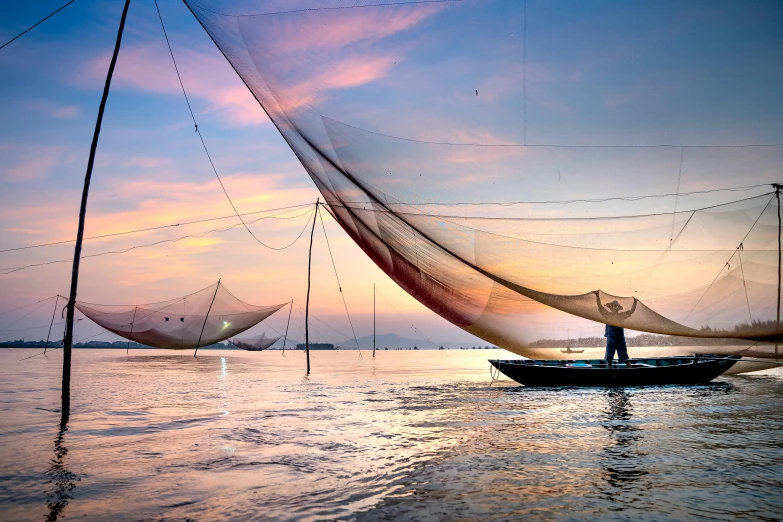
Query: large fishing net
{"type": "Point", "coordinates": [256, 343]}
{"type": "Point", "coordinates": [202, 318]}
{"type": "Point", "coordinates": [508, 161]}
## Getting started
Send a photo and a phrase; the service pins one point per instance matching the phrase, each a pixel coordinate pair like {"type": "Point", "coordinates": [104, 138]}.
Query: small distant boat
{"type": "Point", "coordinates": [698, 369]}
{"type": "Point", "coordinates": [570, 350]}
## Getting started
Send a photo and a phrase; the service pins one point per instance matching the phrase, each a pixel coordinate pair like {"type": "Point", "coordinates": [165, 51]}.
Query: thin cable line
{"type": "Point", "coordinates": [744, 285]}
{"type": "Point", "coordinates": [30, 328]}
{"type": "Point", "coordinates": [345, 336]}
{"type": "Point", "coordinates": [557, 146]}
{"type": "Point", "coordinates": [339, 285]}
{"type": "Point", "coordinates": [410, 323]}
{"type": "Point", "coordinates": [325, 8]}
{"type": "Point", "coordinates": [184, 223]}
{"type": "Point", "coordinates": [524, 72]}
{"type": "Point", "coordinates": [37, 24]}
{"type": "Point", "coordinates": [10, 270]}
{"type": "Point", "coordinates": [22, 317]}
{"type": "Point", "coordinates": [601, 200]}
{"type": "Point", "coordinates": [387, 209]}
{"type": "Point", "coordinates": [25, 306]}
{"type": "Point", "coordinates": [203, 143]}
{"type": "Point", "coordinates": [677, 197]}
{"type": "Point", "coordinates": [730, 258]}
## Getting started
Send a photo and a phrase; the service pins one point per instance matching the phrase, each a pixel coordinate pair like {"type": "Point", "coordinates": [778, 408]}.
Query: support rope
{"type": "Point", "coordinates": [744, 284]}
{"type": "Point", "coordinates": [37, 24]}
{"type": "Point", "coordinates": [340, 286]}
{"type": "Point", "coordinates": [730, 257]}
{"type": "Point", "coordinates": [410, 323]}
{"type": "Point", "coordinates": [677, 196]}
{"type": "Point", "coordinates": [10, 270]}
{"type": "Point", "coordinates": [203, 143]}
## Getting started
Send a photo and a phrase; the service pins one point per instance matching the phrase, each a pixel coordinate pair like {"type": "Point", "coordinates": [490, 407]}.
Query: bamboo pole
{"type": "Point", "coordinates": [207, 317]}
{"type": "Point", "coordinates": [56, 300]}
{"type": "Point", "coordinates": [68, 340]}
{"type": "Point", "coordinates": [373, 319]}
{"type": "Point", "coordinates": [285, 337]}
{"type": "Point", "coordinates": [133, 324]}
{"type": "Point", "coordinates": [307, 303]}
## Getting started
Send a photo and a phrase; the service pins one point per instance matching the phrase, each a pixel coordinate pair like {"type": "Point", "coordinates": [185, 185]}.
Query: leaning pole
{"type": "Point", "coordinates": [68, 341]}
{"type": "Point", "coordinates": [307, 303]}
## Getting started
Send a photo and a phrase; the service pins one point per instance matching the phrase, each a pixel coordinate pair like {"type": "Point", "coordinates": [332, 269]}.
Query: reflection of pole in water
{"type": "Point", "coordinates": [621, 460]}
{"type": "Point", "coordinates": [62, 480]}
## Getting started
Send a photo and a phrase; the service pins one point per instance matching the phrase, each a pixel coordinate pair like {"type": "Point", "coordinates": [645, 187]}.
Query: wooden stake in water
{"type": "Point", "coordinates": [207, 317]}
{"type": "Point", "coordinates": [130, 337]}
{"type": "Point", "coordinates": [57, 299]}
{"type": "Point", "coordinates": [307, 304]}
{"type": "Point", "coordinates": [68, 340]}
{"type": "Point", "coordinates": [285, 337]}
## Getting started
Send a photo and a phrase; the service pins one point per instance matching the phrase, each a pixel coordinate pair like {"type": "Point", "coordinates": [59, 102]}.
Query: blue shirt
{"type": "Point", "coordinates": [614, 331]}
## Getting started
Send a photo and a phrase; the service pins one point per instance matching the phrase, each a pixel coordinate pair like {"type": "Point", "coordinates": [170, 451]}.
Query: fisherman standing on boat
{"type": "Point", "coordinates": [615, 335]}
{"type": "Point", "coordinates": [615, 342]}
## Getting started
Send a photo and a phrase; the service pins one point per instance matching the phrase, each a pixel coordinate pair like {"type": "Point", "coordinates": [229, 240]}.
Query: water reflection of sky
{"type": "Point", "coordinates": [407, 435]}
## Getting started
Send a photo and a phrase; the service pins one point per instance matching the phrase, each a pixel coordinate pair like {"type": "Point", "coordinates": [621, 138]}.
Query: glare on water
{"type": "Point", "coordinates": [407, 435]}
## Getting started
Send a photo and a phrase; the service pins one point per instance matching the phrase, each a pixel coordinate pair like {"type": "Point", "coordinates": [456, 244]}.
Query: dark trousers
{"type": "Point", "coordinates": [614, 344]}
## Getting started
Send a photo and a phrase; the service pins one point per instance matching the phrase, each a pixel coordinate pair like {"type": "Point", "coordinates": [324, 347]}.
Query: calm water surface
{"type": "Point", "coordinates": [407, 436]}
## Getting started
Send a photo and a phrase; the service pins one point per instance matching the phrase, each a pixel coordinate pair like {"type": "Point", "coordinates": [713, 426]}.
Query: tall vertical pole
{"type": "Point", "coordinates": [68, 341]}
{"type": "Point", "coordinates": [133, 323]}
{"type": "Point", "coordinates": [307, 304]}
{"type": "Point", "coordinates": [285, 337]}
{"type": "Point", "coordinates": [777, 322]}
{"type": "Point", "coordinates": [57, 299]}
{"type": "Point", "coordinates": [373, 319]}
{"type": "Point", "coordinates": [198, 343]}
{"type": "Point", "coordinates": [777, 195]}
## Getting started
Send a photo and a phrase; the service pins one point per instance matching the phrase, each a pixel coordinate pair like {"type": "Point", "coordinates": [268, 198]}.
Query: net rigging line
{"type": "Point", "coordinates": [677, 197]}
{"type": "Point", "coordinates": [410, 323]}
{"type": "Point", "coordinates": [557, 146]}
{"type": "Point", "coordinates": [253, 312]}
{"type": "Point", "coordinates": [387, 207]}
{"type": "Point", "coordinates": [302, 310]}
{"type": "Point", "coordinates": [203, 143]}
{"type": "Point", "coordinates": [589, 200]}
{"type": "Point", "coordinates": [338, 283]}
{"type": "Point", "coordinates": [322, 8]}
{"type": "Point", "coordinates": [40, 305]}
{"type": "Point", "coordinates": [184, 223]}
{"type": "Point", "coordinates": [30, 328]}
{"type": "Point", "coordinates": [29, 304]}
{"type": "Point", "coordinates": [37, 24]}
{"type": "Point", "coordinates": [730, 257]}
{"type": "Point", "coordinates": [10, 270]}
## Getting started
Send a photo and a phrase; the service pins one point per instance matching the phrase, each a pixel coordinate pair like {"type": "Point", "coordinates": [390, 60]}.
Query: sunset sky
{"type": "Point", "coordinates": [152, 171]}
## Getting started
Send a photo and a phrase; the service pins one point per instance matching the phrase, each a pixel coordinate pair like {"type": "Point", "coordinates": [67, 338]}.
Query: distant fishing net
{"type": "Point", "coordinates": [256, 343]}
{"type": "Point", "coordinates": [486, 154]}
{"type": "Point", "coordinates": [202, 318]}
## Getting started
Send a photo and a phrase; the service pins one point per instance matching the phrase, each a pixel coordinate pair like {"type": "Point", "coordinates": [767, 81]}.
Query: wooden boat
{"type": "Point", "coordinates": [698, 369]}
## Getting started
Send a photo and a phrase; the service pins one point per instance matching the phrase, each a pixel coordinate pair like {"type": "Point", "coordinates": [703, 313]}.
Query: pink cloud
{"type": "Point", "coordinates": [31, 168]}
{"type": "Point", "coordinates": [206, 77]}
{"type": "Point", "coordinates": [350, 27]}
{"type": "Point", "coordinates": [69, 111]}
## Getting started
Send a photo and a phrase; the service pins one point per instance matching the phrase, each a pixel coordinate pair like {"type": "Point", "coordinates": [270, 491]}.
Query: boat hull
{"type": "Point", "coordinates": [642, 372]}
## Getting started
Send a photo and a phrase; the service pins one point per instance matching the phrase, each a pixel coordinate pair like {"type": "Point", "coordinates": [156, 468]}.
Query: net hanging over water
{"type": "Point", "coordinates": [256, 343]}
{"type": "Point", "coordinates": [523, 167]}
{"type": "Point", "coordinates": [208, 316]}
